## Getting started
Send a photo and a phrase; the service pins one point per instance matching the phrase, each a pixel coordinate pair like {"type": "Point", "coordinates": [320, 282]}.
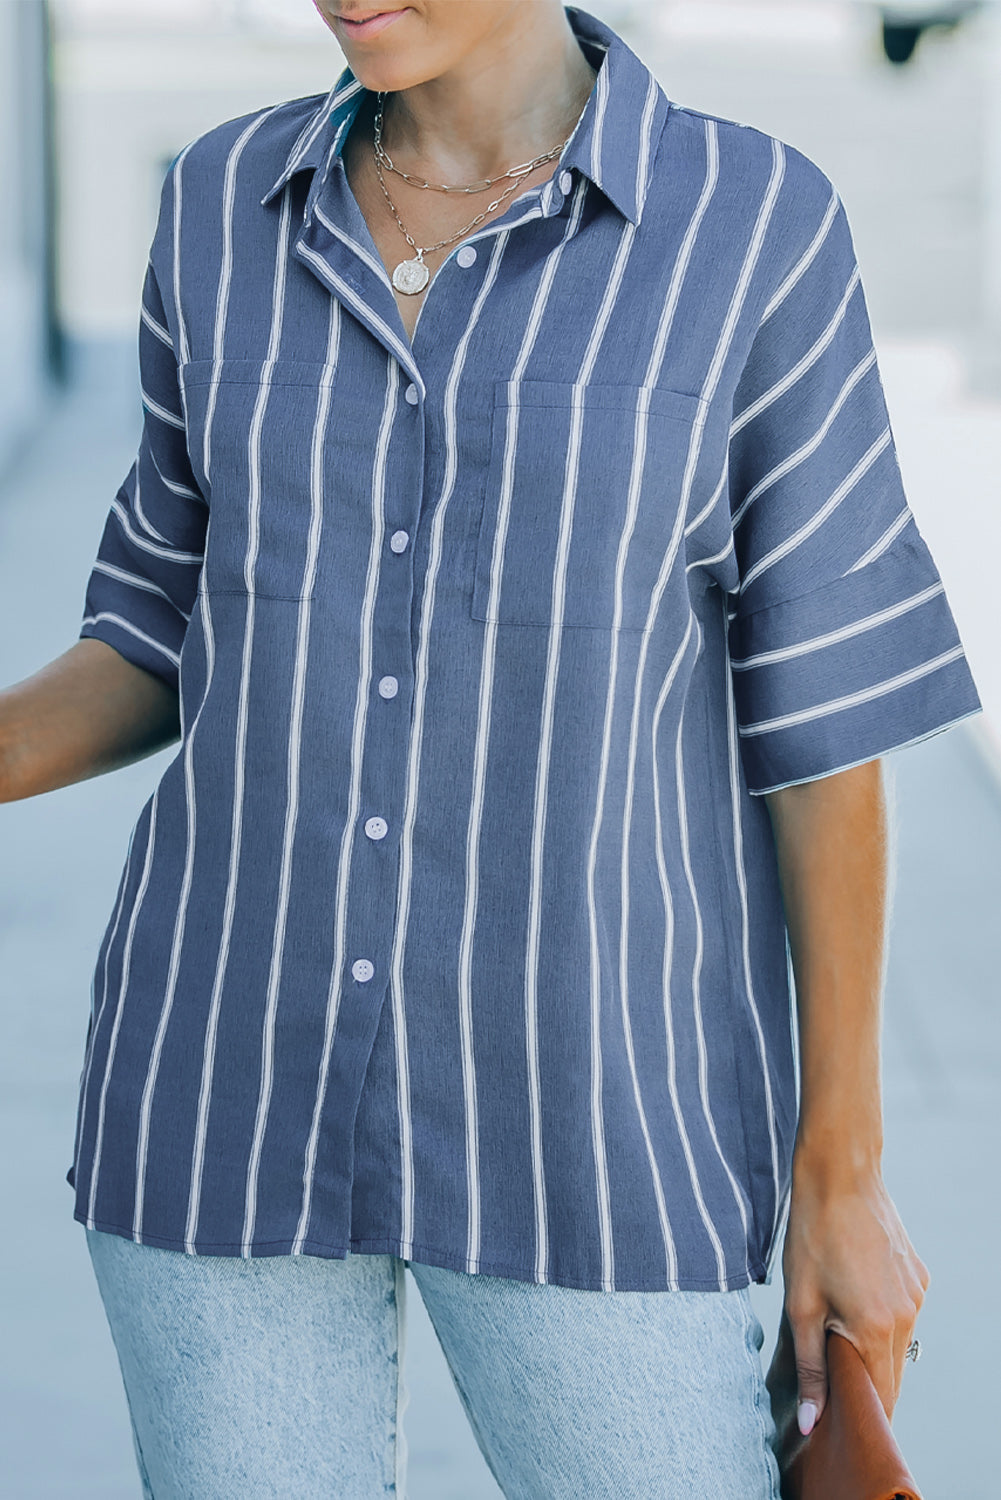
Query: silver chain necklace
{"type": "Point", "coordinates": [412, 276]}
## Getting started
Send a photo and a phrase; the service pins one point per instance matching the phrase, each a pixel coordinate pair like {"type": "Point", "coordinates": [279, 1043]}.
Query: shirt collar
{"type": "Point", "coordinates": [613, 143]}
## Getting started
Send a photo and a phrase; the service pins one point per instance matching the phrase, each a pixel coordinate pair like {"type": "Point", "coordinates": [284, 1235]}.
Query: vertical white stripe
{"type": "Point", "coordinates": [144, 882]}
{"type": "Point", "coordinates": [212, 1021]}
{"type": "Point", "coordinates": [470, 1106]}
{"type": "Point", "coordinates": [153, 1066]}
{"type": "Point", "coordinates": [181, 915]}
{"type": "Point", "coordinates": [240, 744]}
{"type": "Point", "coordinates": [99, 1009]}
{"type": "Point", "coordinates": [542, 768]}
{"type": "Point", "coordinates": [317, 487]}
{"type": "Point", "coordinates": [413, 791]}
{"type": "Point", "coordinates": [485, 703]}
{"type": "Point", "coordinates": [210, 1040]}
{"type": "Point", "coordinates": [363, 691]}
{"type": "Point", "coordinates": [747, 270]}
{"type": "Point", "coordinates": [254, 501]}
{"type": "Point", "coordinates": [212, 1024]}
{"type": "Point", "coordinates": [183, 352]}
{"type": "Point", "coordinates": [654, 366]}
{"type": "Point", "coordinates": [109, 1063]}
{"type": "Point", "coordinates": [218, 352]}
{"type": "Point", "coordinates": [644, 163]}
{"type": "Point", "coordinates": [226, 274]}
{"type": "Point", "coordinates": [710, 384]}
{"type": "Point", "coordinates": [667, 964]}
{"type": "Point", "coordinates": [738, 860]}
{"type": "Point", "coordinates": [696, 977]}
{"type": "Point", "coordinates": [597, 124]}
{"type": "Point", "coordinates": [539, 305]}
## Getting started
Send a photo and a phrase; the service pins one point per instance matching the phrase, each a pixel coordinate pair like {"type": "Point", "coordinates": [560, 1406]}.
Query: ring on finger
{"type": "Point", "coordinates": [913, 1351]}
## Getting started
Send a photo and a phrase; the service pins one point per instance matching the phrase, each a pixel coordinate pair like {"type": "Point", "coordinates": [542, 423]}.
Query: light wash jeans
{"type": "Point", "coordinates": [283, 1377]}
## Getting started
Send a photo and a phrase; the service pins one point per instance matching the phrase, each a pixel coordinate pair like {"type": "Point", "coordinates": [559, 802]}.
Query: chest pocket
{"type": "Point", "coordinates": [251, 431]}
{"type": "Point", "coordinates": [583, 491]}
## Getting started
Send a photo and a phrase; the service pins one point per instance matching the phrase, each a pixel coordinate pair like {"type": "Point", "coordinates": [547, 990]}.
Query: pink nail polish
{"type": "Point", "coordinates": [806, 1416]}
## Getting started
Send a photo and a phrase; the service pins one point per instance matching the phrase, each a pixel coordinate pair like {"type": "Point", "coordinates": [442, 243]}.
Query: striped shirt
{"type": "Point", "coordinates": [452, 930]}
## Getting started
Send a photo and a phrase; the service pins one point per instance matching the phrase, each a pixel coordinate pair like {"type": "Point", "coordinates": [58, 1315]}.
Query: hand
{"type": "Point", "coordinates": [848, 1265]}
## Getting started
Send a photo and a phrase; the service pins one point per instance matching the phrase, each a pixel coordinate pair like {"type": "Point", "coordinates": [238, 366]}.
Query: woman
{"type": "Point", "coordinates": [535, 658]}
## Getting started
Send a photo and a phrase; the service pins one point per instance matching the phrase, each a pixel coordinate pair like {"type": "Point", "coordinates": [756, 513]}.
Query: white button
{"type": "Point", "coordinates": [388, 687]}
{"type": "Point", "coordinates": [362, 970]}
{"type": "Point", "coordinates": [466, 255]}
{"type": "Point", "coordinates": [566, 182]}
{"type": "Point", "coordinates": [398, 541]}
{"type": "Point", "coordinates": [376, 828]}
{"type": "Point", "coordinates": [410, 395]}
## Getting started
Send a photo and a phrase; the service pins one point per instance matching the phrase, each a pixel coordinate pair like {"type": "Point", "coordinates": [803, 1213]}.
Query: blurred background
{"type": "Point", "coordinates": [901, 105]}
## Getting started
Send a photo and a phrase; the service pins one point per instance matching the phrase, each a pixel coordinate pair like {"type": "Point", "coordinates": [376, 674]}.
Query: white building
{"type": "Point", "coordinates": [27, 334]}
{"type": "Point", "coordinates": [136, 81]}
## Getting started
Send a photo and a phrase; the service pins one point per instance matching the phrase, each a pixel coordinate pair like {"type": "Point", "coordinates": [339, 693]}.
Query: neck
{"type": "Point", "coordinates": [503, 104]}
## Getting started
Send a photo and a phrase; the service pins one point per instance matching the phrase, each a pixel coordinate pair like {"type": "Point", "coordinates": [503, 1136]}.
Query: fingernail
{"type": "Point", "coordinates": [806, 1416]}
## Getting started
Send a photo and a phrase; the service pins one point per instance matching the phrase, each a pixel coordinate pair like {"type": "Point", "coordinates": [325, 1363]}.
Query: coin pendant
{"type": "Point", "coordinates": [411, 276]}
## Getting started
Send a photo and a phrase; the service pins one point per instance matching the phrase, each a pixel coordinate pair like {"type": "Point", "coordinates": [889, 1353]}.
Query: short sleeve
{"type": "Point", "coordinates": [144, 580]}
{"type": "Point", "coordinates": [842, 643]}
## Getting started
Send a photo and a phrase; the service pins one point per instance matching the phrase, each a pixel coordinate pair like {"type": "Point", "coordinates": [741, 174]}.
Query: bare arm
{"type": "Point", "coordinates": [87, 712]}
{"type": "Point", "coordinates": [848, 1263]}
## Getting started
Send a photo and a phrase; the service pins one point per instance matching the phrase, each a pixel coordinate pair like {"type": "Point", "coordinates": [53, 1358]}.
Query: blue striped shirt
{"type": "Point", "coordinates": [452, 930]}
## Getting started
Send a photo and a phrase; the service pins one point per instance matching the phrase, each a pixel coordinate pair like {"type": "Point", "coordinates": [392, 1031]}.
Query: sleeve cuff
{"type": "Point", "coordinates": [134, 644]}
{"type": "Point", "coordinates": [861, 666]}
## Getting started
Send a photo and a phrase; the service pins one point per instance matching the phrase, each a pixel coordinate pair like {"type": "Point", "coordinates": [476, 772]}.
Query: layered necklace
{"type": "Point", "coordinates": [412, 276]}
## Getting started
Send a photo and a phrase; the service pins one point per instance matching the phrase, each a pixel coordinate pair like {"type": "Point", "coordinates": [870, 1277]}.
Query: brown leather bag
{"type": "Point", "coordinates": [851, 1453]}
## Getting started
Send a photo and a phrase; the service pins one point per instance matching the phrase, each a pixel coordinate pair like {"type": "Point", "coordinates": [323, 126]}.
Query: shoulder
{"type": "Point", "coordinates": [772, 198]}
{"type": "Point", "coordinates": [750, 162]}
{"type": "Point", "coordinates": [261, 141]}
{"type": "Point", "coordinates": [263, 138]}
{"type": "Point", "coordinates": [235, 164]}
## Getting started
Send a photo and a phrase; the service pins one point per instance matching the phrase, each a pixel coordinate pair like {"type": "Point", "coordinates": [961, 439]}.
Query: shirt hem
{"type": "Point", "coordinates": [422, 1254]}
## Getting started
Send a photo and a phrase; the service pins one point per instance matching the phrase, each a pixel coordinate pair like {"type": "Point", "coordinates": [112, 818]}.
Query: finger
{"type": "Point", "coordinates": [902, 1342]}
{"type": "Point", "coordinates": [900, 1360]}
{"type": "Point", "coordinates": [881, 1362]}
{"type": "Point", "coordinates": [810, 1343]}
{"type": "Point", "coordinates": [916, 1286]}
{"type": "Point", "coordinates": [904, 1334]}
{"type": "Point", "coordinates": [896, 1372]}
{"type": "Point", "coordinates": [781, 1384]}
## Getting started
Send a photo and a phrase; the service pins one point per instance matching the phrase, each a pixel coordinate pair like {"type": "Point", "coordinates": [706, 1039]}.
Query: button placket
{"type": "Point", "coordinates": [386, 739]}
